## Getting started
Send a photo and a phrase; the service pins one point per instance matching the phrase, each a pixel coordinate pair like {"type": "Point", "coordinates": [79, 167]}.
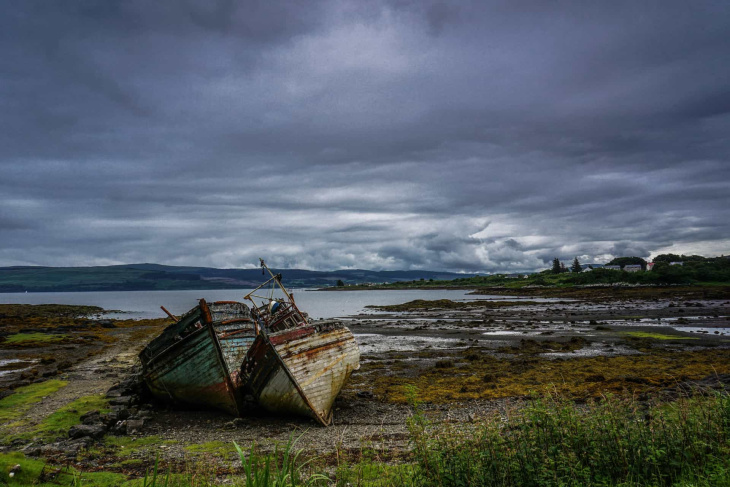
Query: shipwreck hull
{"type": "Point", "coordinates": [235, 332]}
{"type": "Point", "coordinates": [227, 356]}
{"type": "Point", "coordinates": [192, 361]}
{"type": "Point", "coordinates": [193, 374]}
{"type": "Point", "coordinates": [301, 370]}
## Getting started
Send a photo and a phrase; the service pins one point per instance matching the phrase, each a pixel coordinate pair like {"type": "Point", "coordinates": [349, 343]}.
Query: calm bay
{"type": "Point", "coordinates": [319, 304]}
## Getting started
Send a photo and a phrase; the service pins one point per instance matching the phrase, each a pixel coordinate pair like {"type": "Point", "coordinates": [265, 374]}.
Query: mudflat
{"type": "Point", "coordinates": [463, 360]}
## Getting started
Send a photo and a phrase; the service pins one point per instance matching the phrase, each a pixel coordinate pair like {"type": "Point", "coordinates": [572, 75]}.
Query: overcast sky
{"type": "Point", "coordinates": [484, 136]}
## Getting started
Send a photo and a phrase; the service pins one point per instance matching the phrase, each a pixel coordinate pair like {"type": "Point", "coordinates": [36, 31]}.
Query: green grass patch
{"type": "Point", "coordinates": [656, 336]}
{"type": "Point", "coordinates": [29, 339]}
{"type": "Point", "coordinates": [131, 462]}
{"type": "Point", "coordinates": [58, 423]}
{"type": "Point", "coordinates": [125, 446]}
{"type": "Point", "coordinates": [16, 405]}
{"type": "Point", "coordinates": [39, 473]}
{"type": "Point", "coordinates": [217, 448]}
{"type": "Point", "coordinates": [375, 474]}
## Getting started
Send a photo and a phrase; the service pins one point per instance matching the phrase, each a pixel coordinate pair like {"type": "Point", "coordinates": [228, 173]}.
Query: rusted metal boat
{"type": "Point", "coordinates": [197, 359]}
{"type": "Point", "coordinates": [295, 367]}
{"type": "Point", "coordinates": [226, 355]}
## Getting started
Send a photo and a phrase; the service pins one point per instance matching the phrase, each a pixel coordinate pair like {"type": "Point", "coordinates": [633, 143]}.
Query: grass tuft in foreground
{"type": "Point", "coordinates": [553, 442]}
{"type": "Point", "coordinates": [269, 472]}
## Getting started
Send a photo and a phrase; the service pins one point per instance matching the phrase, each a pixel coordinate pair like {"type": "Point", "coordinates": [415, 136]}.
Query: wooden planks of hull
{"type": "Point", "coordinates": [192, 360]}
{"type": "Point", "coordinates": [302, 370]}
{"type": "Point", "coordinates": [216, 356]}
{"type": "Point", "coordinates": [192, 373]}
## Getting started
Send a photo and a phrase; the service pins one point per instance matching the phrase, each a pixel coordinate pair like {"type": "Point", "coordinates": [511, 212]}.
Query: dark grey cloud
{"type": "Point", "coordinates": [474, 136]}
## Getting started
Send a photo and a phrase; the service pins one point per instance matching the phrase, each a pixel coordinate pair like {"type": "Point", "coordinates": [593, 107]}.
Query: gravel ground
{"type": "Point", "coordinates": [362, 420]}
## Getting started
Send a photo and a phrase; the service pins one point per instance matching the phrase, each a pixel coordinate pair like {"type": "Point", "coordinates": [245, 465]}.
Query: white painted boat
{"type": "Point", "coordinates": [295, 367]}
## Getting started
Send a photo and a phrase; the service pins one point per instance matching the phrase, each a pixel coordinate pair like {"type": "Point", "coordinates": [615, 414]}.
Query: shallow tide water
{"type": "Point", "coordinates": [319, 304]}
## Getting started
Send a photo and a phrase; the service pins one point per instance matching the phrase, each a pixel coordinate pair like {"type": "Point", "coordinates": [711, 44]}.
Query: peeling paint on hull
{"type": "Point", "coordinates": [301, 370]}
{"type": "Point", "coordinates": [215, 356]}
{"type": "Point", "coordinates": [192, 360]}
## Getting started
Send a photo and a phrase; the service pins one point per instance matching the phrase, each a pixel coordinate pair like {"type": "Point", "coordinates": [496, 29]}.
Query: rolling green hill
{"type": "Point", "coordinates": [142, 277]}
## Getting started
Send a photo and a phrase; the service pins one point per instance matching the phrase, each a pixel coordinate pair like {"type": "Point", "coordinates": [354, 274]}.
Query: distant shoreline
{"type": "Point", "coordinates": [395, 288]}
{"type": "Point", "coordinates": [605, 292]}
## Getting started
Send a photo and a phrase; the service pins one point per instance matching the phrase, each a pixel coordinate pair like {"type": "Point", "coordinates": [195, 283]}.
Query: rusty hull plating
{"type": "Point", "coordinates": [224, 355]}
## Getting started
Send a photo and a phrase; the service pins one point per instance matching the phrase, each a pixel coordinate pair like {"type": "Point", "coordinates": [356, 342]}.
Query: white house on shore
{"type": "Point", "coordinates": [590, 267]}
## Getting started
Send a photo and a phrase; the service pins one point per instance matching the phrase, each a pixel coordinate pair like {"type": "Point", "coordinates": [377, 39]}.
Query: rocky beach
{"type": "Point", "coordinates": [70, 394]}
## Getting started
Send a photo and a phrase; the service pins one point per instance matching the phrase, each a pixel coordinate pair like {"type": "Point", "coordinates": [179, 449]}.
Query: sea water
{"type": "Point", "coordinates": [319, 304]}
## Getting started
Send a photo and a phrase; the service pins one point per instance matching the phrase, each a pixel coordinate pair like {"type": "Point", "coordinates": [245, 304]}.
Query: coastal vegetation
{"type": "Point", "coordinates": [694, 271]}
{"type": "Point", "coordinates": [553, 442]}
{"type": "Point", "coordinates": [547, 441]}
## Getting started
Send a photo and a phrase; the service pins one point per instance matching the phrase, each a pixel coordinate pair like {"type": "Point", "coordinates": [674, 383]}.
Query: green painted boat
{"type": "Point", "coordinates": [196, 360]}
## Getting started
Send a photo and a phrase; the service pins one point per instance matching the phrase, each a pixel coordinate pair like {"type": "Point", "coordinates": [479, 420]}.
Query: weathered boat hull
{"type": "Point", "coordinates": [301, 370]}
{"type": "Point", "coordinates": [193, 374]}
{"type": "Point", "coordinates": [225, 356]}
{"type": "Point", "coordinates": [196, 360]}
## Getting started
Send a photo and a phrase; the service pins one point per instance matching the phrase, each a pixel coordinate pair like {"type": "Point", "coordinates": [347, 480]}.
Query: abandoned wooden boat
{"type": "Point", "coordinates": [197, 359]}
{"type": "Point", "coordinates": [293, 366]}
{"type": "Point", "coordinates": [301, 370]}
{"type": "Point", "coordinates": [228, 356]}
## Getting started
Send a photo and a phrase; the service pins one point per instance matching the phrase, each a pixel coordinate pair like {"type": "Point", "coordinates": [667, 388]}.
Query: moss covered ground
{"type": "Point", "coordinates": [16, 405]}
{"type": "Point", "coordinates": [57, 424]}
{"type": "Point", "coordinates": [657, 336]}
{"type": "Point", "coordinates": [217, 448]}
{"type": "Point", "coordinates": [48, 324]}
{"type": "Point", "coordinates": [127, 446]}
{"type": "Point", "coordinates": [40, 473]}
{"type": "Point", "coordinates": [478, 374]}
{"type": "Point", "coordinates": [34, 339]}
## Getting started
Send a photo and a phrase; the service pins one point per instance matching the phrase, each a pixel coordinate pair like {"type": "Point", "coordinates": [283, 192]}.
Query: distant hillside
{"type": "Point", "coordinates": [667, 269]}
{"type": "Point", "coordinates": [144, 277]}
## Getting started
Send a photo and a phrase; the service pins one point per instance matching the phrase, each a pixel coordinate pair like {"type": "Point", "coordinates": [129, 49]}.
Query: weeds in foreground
{"type": "Point", "coordinates": [268, 472]}
{"type": "Point", "coordinates": [554, 442]}
{"type": "Point", "coordinates": [549, 442]}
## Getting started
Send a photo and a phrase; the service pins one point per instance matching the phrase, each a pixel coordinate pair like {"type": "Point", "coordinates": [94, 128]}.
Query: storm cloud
{"type": "Point", "coordinates": [475, 137]}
